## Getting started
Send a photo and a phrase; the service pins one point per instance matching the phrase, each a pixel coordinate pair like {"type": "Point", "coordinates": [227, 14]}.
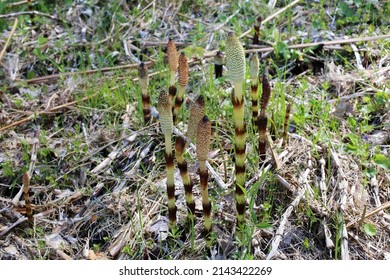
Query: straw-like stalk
{"type": "Point", "coordinates": [202, 152]}
{"type": "Point", "coordinates": [254, 75]}
{"type": "Point", "coordinates": [144, 83]}
{"type": "Point", "coordinates": [182, 164]}
{"type": "Point", "coordinates": [183, 81]}
{"type": "Point", "coordinates": [235, 62]}
{"type": "Point", "coordinates": [165, 110]}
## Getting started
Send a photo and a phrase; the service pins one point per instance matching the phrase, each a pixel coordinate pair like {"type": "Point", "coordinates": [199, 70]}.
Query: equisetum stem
{"type": "Point", "coordinates": [240, 156]}
{"type": "Point", "coordinates": [182, 164]}
{"type": "Point", "coordinates": [170, 181]}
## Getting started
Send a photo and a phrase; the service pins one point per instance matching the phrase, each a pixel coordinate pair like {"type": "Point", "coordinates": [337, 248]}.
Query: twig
{"type": "Point", "coordinates": [141, 157]}
{"type": "Point", "coordinates": [9, 39]}
{"type": "Point", "coordinates": [273, 16]}
{"type": "Point", "coordinates": [326, 43]}
{"type": "Point", "coordinates": [275, 156]}
{"type": "Point", "coordinates": [279, 232]}
{"type": "Point", "coordinates": [328, 240]}
{"type": "Point", "coordinates": [371, 213]}
{"type": "Point", "coordinates": [343, 185]}
{"type": "Point", "coordinates": [87, 72]}
{"type": "Point", "coordinates": [10, 5]}
{"type": "Point", "coordinates": [51, 111]}
{"type": "Point", "coordinates": [34, 13]}
{"type": "Point", "coordinates": [33, 160]}
{"type": "Point", "coordinates": [146, 44]}
{"type": "Point", "coordinates": [5, 230]}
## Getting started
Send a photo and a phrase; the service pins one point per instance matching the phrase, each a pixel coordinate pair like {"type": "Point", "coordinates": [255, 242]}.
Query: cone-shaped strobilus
{"type": "Point", "coordinates": [202, 153]}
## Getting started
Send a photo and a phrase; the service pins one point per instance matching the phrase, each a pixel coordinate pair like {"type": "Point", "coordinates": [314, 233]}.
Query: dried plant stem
{"type": "Point", "coordinates": [9, 39]}
{"type": "Point", "coordinates": [324, 43]}
{"type": "Point", "coordinates": [343, 186]}
{"type": "Point", "coordinates": [182, 164]}
{"type": "Point", "coordinates": [17, 3]}
{"type": "Point", "coordinates": [31, 13]}
{"type": "Point", "coordinates": [273, 15]}
{"type": "Point", "coordinates": [328, 236]}
{"type": "Point", "coordinates": [33, 160]}
{"type": "Point", "coordinates": [280, 231]}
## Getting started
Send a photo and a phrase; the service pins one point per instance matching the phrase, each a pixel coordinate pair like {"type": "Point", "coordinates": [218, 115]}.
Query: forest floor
{"type": "Point", "coordinates": [71, 118]}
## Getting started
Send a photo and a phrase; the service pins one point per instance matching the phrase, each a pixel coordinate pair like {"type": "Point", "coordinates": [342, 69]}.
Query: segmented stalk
{"type": "Point", "coordinates": [173, 63]}
{"type": "Point", "coordinates": [262, 119]}
{"type": "Point", "coordinates": [182, 164]}
{"type": "Point", "coordinates": [26, 189]}
{"type": "Point", "coordinates": [144, 83]}
{"type": "Point", "coordinates": [285, 125]}
{"type": "Point", "coordinates": [202, 152]}
{"type": "Point", "coordinates": [196, 114]}
{"type": "Point", "coordinates": [254, 75]}
{"type": "Point", "coordinates": [165, 110]}
{"type": "Point", "coordinates": [257, 25]}
{"type": "Point", "coordinates": [218, 64]}
{"type": "Point", "coordinates": [183, 81]}
{"type": "Point", "coordinates": [235, 62]}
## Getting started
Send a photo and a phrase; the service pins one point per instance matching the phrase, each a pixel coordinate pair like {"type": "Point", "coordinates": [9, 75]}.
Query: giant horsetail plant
{"type": "Point", "coordinates": [182, 164]}
{"type": "Point", "coordinates": [26, 191]}
{"type": "Point", "coordinates": [218, 64]}
{"type": "Point", "coordinates": [254, 75]}
{"type": "Point", "coordinates": [183, 81]}
{"type": "Point", "coordinates": [255, 40]}
{"type": "Point", "coordinates": [203, 135]}
{"type": "Point", "coordinates": [285, 125]}
{"type": "Point", "coordinates": [235, 62]}
{"type": "Point", "coordinates": [173, 63]}
{"type": "Point", "coordinates": [144, 83]}
{"type": "Point", "coordinates": [196, 114]}
{"type": "Point", "coordinates": [262, 119]}
{"type": "Point", "coordinates": [164, 108]}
